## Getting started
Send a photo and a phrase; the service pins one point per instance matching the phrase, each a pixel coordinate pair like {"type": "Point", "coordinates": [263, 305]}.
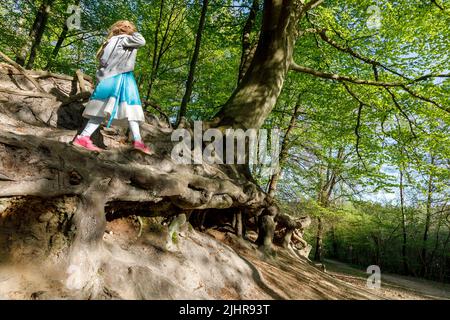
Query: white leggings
{"type": "Point", "coordinates": [95, 122]}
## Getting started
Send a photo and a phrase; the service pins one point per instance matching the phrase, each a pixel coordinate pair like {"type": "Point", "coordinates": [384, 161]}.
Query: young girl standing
{"type": "Point", "coordinates": [116, 95]}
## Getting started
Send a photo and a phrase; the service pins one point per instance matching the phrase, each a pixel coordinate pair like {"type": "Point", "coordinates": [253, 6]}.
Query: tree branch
{"type": "Point", "coordinates": [27, 93]}
{"type": "Point", "coordinates": [416, 95]}
{"type": "Point", "coordinates": [337, 77]}
{"type": "Point", "coordinates": [374, 63]}
{"type": "Point", "coordinates": [397, 105]}
{"type": "Point", "coordinates": [437, 5]}
{"type": "Point", "coordinates": [311, 5]}
{"type": "Point", "coordinates": [341, 78]}
{"type": "Point", "coordinates": [358, 120]}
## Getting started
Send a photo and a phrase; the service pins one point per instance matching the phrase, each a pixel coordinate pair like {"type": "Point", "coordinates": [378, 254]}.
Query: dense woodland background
{"type": "Point", "coordinates": [369, 162]}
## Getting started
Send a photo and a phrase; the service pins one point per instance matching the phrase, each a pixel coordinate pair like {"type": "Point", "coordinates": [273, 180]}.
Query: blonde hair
{"type": "Point", "coordinates": [116, 29]}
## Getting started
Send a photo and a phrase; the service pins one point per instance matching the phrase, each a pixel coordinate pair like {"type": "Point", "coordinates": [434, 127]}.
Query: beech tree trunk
{"type": "Point", "coordinates": [257, 93]}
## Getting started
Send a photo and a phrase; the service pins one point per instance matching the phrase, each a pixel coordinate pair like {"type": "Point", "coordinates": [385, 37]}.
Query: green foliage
{"type": "Point", "coordinates": [361, 135]}
{"type": "Point", "coordinates": [370, 234]}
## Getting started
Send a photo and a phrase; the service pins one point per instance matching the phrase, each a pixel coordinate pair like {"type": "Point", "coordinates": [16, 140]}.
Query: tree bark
{"type": "Point", "coordinates": [193, 65]}
{"type": "Point", "coordinates": [266, 227]}
{"type": "Point", "coordinates": [86, 253]}
{"type": "Point", "coordinates": [246, 56]}
{"type": "Point", "coordinates": [257, 93]}
{"type": "Point", "coordinates": [266, 230]}
{"type": "Point", "coordinates": [287, 237]}
{"type": "Point", "coordinates": [292, 228]}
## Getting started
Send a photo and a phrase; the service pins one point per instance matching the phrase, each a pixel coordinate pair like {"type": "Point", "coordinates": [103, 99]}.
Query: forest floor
{"type": "Point", "coordinates": [206, 265]}
{"type": "Point", "coordinates": [393, 286]}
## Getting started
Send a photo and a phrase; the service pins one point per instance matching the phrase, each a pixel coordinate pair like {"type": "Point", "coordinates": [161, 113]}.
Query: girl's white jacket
{"type": "Point", "coordinates": [119, 55]}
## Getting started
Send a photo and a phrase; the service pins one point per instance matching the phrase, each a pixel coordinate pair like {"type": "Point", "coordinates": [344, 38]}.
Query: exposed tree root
{"type": "Point", "coordinates": [38, 160]}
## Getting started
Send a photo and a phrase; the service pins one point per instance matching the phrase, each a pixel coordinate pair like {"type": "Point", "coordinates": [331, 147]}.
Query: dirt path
{"type": "Point", "coordinates": [393, 286]}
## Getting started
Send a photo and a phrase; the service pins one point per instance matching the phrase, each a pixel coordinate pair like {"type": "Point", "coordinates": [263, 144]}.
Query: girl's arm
{"type": "Point", "coordinates": [107, 51]}
{"type": "Point", "coordinates": [135, 40]}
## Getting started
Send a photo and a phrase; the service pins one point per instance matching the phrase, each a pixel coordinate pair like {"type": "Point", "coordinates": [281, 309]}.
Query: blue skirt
{"type": "Point", "coordinates": [116, 98]}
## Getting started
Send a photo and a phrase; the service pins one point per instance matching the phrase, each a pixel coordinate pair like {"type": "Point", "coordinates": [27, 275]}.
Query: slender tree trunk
{"type": "Point", "coordinates": [62, 37]}
{"type": "Point", "coordinates": [324, 198]}
{"type": "Point", "coordinates": [284, 150]}
{"type": "Point", "coordinates": [318, 256]}
{"type": "Point", "coordinates": [35, 35]}
{"type": "Point", "coordinates": [376, 241]}
{"type": "Point", "coordinates": [155, 50]}
{"type": "Point", "coordinates": [159, 49]}
{"type": "Point", "coordinates": [404, 231]}
{"type": "Point", "coordinates": [433, 252]}
{"type": "Point", "coordinates": [190, 80]}
{"type": "Point", "coordinates": [57, 47]}
{"type": "Point", "coordinates": [246, 44]}
{"type": "Point", "coordinates": [444, 258]}
{"type": "Point", "coordinates": [335, 243]}
{"type": "Point", "coordinates": [318, 251]}
{"type": "Point", "coordinates": [424, 258]}
{"type": "Point", "coordinates": [257, 93]}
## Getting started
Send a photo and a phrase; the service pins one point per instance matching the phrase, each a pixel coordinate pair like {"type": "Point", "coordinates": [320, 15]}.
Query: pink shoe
{"type": "Point", "coordinates": [86, 143]}
{"type": "Point", "coordinates": [139, 145]}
